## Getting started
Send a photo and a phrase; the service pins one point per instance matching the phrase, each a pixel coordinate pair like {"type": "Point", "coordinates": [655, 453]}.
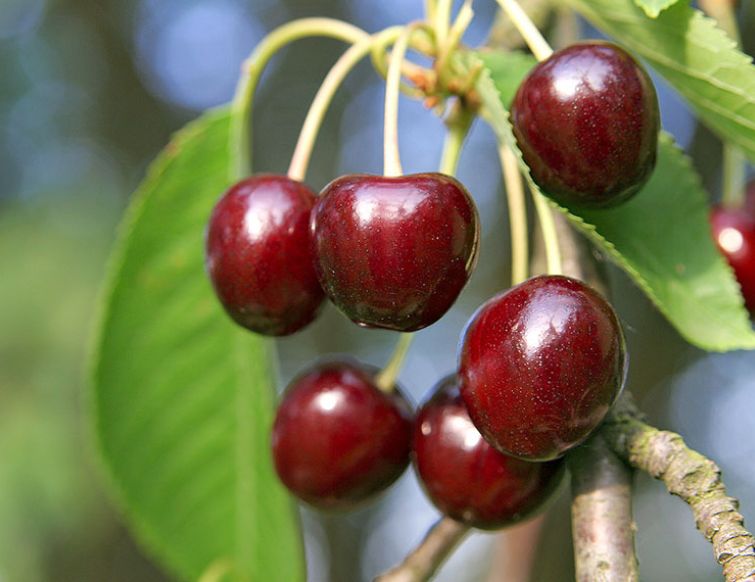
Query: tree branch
{"type": "Point", "coordinates": [426, 558]}
{"type": "Point", "coordinates": [602, 525]}
{"type": "Point", "coordinates": [691, 476]}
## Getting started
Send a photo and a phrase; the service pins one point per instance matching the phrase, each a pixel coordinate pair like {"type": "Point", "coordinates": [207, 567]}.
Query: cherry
{"type": "Point", "coordinates": [464, 476]}
{"type": "Point", "coordinates": [395, 253]}
{"type": "Point", "coordinates": [337, 438]}
{"type": "Point", "coordinates": [587, 123]}
{"type": "Point", "coordinates": [541, 365]}
{"type": "Point", "coordinates": [259, 256]}
{"type": "Point", "coordinates": [734, 233]}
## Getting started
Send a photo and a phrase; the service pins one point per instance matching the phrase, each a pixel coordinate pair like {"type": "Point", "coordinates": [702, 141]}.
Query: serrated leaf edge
{"type": "Point", "coordinates": [590, 229]}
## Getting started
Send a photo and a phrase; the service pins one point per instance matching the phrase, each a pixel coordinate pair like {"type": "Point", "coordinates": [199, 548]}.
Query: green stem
{"type": "Point", "coordinates": [517, 215]}
{"type": "Point", "coordinates": [542, 50]}
{"type": "Point", "coordinates": [531, 35]}
{"type": "Point", "coordinates": [335, 77]}
{"type": "Point", "coordinates": [386, 379]}
{"type": "Point", "coordinates": [241, 107]}
{"type": "Point", "coordinates": [458, 128]}
{"type": "Point", "coordinates": [442, 21]}
{"type": "Point", "coordinates": [550, 234]}
{"type": "Point", "coordinates": [391, 155]}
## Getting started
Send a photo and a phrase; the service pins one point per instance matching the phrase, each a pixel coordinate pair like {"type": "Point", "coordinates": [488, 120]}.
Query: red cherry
{"type": "Point", "coordinates": [395, 252]}
{"type": "Point", "coordinates": [337, 438]}
{"type": "Point", "coordinates": [541, 365]}
{"type": "Point", "coordinates": [734, 232]}
{"type": "Point", "coordinates": [587, 123]}
{"type": "Point", "coordinates": [465, 477]}
{"type": "Point", "coordinates": [259, 256]}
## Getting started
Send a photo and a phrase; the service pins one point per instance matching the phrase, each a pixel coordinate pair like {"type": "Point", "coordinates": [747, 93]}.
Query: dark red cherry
{"type": "Point", "coordinates": [587, 123]}
{"type": "Point", "coordinates": [395, 252]}
{"type": "Point", "coordinates": [541, 365]}
{"type": "Point", "coordinates": [337, 438]}
{"type": "Point", "coordinates": [464, 476]}
{"type": "Point", "coordinates": [734, 233]}
{"type": "Point", "coordinates": [259, 256]}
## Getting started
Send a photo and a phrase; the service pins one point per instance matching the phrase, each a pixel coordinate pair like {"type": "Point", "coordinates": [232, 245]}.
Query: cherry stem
{"type": "Point", "coordinates": [391, 155]}
{"type": "Point", "coordinates": [241, 107]}
{"type": "Point", "coordinates": [531, 35]}
{"type": "Point", "coordinates": [542, 50]}
{"type": "Point", "coordinates": [734, 170]}
{"type": "Point", "coordinates": [550, 234]}
{"type": "Point", "coordinates": [324, 97]}
{"type": "Point", "coordinates": [428, 556]}
{"type": "Point", "coordinates": [458, 125]}
{"type": "Point", "coordinates": [386, 378]}
{"type": "Point", "coordinates": [442, 21]}
{"type": "Point", "coordinates": [453, 36]}
{"type": "Point", "coordinates": [517, 215]}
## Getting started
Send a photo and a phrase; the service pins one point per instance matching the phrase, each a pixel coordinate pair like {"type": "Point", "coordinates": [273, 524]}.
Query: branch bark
{"type": "Point", "coordinates": [691, 476]}
{"type": "Point", "coordinates": [426, 558]}
{"type": "Point", "coordinates": [602, 525]}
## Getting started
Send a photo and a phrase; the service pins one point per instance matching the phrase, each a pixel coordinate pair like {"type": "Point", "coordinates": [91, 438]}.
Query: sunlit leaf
{"type": "Point", "coordinates": [183, 399]}
{"type": "Point", "coordinates": [661, 237]}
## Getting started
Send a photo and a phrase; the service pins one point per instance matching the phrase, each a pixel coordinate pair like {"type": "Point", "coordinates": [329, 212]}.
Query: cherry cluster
{"type": "Point", "coordinates": [539, 365]}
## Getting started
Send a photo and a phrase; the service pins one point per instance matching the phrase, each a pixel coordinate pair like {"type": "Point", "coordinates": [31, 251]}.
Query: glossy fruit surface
{"type": "Point", "coordinates": [259, 257]}
{"type": "Point", "coordinates": [338, 439]}
{"type": "Point", "coordinates": [734, 232]}
{"type": "Point", "coordinates": [395, 252]}
{"type": "Point", "coordinates": [541, 365]}
{"type": "Point", "coordinates": [587, 122]}
{"type": "Point", "coordinates": [464, 476]}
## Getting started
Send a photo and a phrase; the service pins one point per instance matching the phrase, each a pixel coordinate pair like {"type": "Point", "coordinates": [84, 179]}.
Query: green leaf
{"type": "Point", "coordinates": [661, 238]}
{"type": "Point", "coordinates": [694, 55]}
{"type": "Point", "coordinates": [654, 7]}
{"type": "Point", "coordinates": [183, 399]}
{"type": "Point", "coordinates": [508, 69]}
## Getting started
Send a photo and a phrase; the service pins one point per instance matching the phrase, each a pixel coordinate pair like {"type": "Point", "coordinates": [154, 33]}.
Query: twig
{"type": "Point", "coordinates": [601, 511]}
{"type": "Point", "coordinates": [426, 558]}
{"type": "Point", "coordinates": [691, 476]}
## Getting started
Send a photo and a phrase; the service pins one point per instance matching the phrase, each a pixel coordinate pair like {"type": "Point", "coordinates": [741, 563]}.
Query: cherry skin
{"type": "Point", "coordinates": [395, 253]}
{"type": "Point", "coordinates": [464, 476]}
{"type": "Point", "coordinates": [541, 365]}
{"type": "Point", "coordinates": [337, 438]}
{"type": "Point", "coordinates": [259, 256]}
{"type": "Point", "coordinates": [734, 233]}
{"type": "Point", "coordinates": [587, 122]}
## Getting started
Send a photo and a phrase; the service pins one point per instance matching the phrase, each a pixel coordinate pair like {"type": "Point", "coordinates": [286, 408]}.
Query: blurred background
{"type": "Point", "coordinates": [89, 93]}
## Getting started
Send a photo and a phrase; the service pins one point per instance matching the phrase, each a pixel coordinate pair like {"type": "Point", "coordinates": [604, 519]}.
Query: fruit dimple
{"type": "Point", "coordinates": [541, 365]}
{"type": "Point", "coordinates": [394, 252]}
{"type": "Point", "coordinates": [587, 120]}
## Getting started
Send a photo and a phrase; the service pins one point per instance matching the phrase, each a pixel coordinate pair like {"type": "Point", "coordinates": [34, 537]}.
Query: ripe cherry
{"type": "Point", "coordinates": [734, 233]}
{"type": "Point", "coordinates": [464, 476]}
{"type": "Point", "coordinates": [541, 365]}
{"type": "Point", "coordinates": [337, 438]}
{"type": "Point", "coordinates": [259, 256]}
{"type": "Point", "coordinates": [587, 123]}
{"type": "Point", "coordinates": [395, 252]}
